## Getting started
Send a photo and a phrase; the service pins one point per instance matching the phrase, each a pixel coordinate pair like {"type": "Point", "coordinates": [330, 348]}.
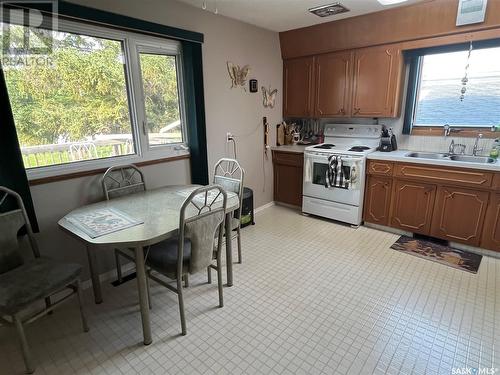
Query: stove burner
{"type": "Point", "coordinates": [359, 148]}
{"type": "Point", "coordinates": [325, 146]}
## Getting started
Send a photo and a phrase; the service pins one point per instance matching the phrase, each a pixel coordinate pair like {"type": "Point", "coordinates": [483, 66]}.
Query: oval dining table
{"type": "Point", "coordinates": [159, 211]}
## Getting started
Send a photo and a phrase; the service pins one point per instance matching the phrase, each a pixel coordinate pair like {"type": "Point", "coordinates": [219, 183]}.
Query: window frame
{"type": "Point", "coordinates": [413, 59]}
{"type": "Point", "coordinates": [133, 81]}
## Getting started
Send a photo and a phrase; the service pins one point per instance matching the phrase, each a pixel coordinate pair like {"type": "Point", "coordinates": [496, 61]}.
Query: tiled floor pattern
{"type": "Point", "coordinates": [311, 297]}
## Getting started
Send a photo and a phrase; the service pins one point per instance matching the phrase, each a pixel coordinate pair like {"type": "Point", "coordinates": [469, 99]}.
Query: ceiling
{"type": "Point", "coordinates": [282, 15]}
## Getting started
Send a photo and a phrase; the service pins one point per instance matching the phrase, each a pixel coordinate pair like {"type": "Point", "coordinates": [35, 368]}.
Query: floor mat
{"type": "Point", "coordinates": [446, 255]}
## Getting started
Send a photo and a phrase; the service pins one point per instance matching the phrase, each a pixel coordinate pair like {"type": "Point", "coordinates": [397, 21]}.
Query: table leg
{"type": "Point", "coordinates": [143, 294]}
{"type": "Point", "coordinates": [94, 274]}
{"type": "Point", "coordinates": [229, 251]}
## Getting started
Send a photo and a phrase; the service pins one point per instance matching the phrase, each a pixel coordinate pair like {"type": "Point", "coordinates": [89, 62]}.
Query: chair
{"type": "Point", "coordinates": [25, 282]}
{"type": "Point", "coordinates": [201, 218]}
{"type": "Point", "coordinates": [230, 175]}
{"type": "Point", "coordinates": [119, 181]}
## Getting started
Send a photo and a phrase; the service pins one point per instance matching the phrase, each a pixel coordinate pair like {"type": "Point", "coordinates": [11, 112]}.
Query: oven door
{"type": "Point", "coordinates": [315, 169]}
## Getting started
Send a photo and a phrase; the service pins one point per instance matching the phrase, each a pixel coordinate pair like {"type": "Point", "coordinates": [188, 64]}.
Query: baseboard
{"type": "Point", "coordinates": [263, 207]}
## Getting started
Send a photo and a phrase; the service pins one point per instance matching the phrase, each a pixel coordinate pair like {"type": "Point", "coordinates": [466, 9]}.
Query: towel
{"type": "Point", "coordinates": [342, 173]}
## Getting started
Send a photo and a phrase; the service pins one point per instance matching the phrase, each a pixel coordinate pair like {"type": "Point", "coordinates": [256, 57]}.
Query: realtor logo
{"type": "Point", "coordinates": [27, 32]}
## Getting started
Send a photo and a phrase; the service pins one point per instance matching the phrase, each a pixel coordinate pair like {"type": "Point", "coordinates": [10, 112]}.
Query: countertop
{"type": "Point", "coordinates": [400, 155]}
{"type": "Point", "coordinates": [290, 148]}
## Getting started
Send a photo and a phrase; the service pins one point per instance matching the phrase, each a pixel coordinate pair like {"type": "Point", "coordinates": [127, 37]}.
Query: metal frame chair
{"type": "Point", "coordinates": [201, 218]}
{"type": "Point", "coordinates": [19, 291]}
{"type": "Point", "coordinates": [116, 182]}
{"type": "Point", "coordinates": [229, 174]}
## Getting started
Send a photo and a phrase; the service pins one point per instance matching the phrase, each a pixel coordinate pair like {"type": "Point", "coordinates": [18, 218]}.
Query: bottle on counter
{"type": "Point", "coordinates": [495, 150]}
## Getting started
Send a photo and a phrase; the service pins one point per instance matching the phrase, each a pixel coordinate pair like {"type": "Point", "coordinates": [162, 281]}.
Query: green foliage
{"type": "Point", "coordinates": [83, 92]}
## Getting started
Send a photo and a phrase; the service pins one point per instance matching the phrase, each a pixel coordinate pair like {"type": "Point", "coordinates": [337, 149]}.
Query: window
{"type": "Point", "coordinates": [437, 84]}
{"type": "Point", "coordinates": [98, 94]}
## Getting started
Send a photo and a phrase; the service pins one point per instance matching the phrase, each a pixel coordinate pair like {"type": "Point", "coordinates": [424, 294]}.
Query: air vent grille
{"type": "Point", "coordinates": [328, 10]}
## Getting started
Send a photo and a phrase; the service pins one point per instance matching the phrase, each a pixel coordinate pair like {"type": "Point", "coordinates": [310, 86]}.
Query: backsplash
{"type": "Point", "coordinates": [441, 144]}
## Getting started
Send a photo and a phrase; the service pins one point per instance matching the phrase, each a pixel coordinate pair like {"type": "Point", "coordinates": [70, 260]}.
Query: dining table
{"type": "Point", "coordinates": [158, 211]}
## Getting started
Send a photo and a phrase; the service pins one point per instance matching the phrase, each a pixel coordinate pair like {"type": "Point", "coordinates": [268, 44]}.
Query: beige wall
{"type": "Point", "coordinates": [227, 110]}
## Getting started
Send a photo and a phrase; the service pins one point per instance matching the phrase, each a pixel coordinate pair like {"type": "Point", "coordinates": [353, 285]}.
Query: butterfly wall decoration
{"type": "Point", "coordinates": [269, 97]}
{"type": "Point", "coordinates": [238, 74]}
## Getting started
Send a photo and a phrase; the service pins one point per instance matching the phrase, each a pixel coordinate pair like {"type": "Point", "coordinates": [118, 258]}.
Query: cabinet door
{"type": "Point", "coordinates": [412, 206]}
{"type": "Point", "coordinates": [288, 177]}
{"type": "Point", "coordinates": [459, 214]}
{"type": "Point", "coordinates": [377, 200]}
{"type": "Point", "coordinates": [491, 228]}
{"type": "Point", "coordinates": [298, 91]}
{"type": "Point", "coordinates": [333, 81]}
{"type": "Point", "coordinates": [377, 82]}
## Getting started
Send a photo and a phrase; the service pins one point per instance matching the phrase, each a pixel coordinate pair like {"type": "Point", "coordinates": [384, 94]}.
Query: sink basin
{"type": "Point", "coordinates": [427, 155]}
{"type": "Point", "coordinates": [473, 159]}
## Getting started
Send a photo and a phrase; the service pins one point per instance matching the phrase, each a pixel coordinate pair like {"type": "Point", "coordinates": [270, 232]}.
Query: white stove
{"type": "Point", "coordinates": [334, 172]}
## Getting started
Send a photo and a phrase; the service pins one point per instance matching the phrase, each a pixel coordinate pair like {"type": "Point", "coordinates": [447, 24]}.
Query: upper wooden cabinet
{"type": "Point", "coordinates": [359, 83]}
{"type": "Point", "coordinates": [377, 82]}
{"type": "Point", "coordinates": [333, 84]}
{"type": "Point", "coordinates": [298, 82]}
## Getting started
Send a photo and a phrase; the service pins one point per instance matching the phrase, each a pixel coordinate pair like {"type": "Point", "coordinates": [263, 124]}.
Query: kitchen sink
{"type": "Point", "coordinates": [427, 155]}
{"type": "Point", "coordinates": [473, 159]}
{"type": "Point", "coordinates": [441, 156]}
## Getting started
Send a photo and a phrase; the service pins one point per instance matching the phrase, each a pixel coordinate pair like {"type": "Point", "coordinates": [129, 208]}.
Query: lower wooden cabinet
{"type": "Point", "coordinates": [459, 214]}
{"type": "Point", "coordinates": [288, 170]}
{"type": "Point", "coordinates": [377, 200]}
{"type": "Point", "coordinates": [412, 206]}
{"type": "Point", "coordinates": [491, 229]}
{"type": "Point", "coordinates": [447, 203]}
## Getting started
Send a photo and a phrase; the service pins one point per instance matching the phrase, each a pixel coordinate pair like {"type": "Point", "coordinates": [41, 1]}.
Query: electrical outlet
{"type": "Point", "coordinates": [229, 137]}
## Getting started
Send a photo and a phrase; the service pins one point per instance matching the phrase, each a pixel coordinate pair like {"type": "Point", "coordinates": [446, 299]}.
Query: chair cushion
{"type": "Point", "coordinates": [34, 280]}
{"type": "Point", "coordinates": [162, 256]}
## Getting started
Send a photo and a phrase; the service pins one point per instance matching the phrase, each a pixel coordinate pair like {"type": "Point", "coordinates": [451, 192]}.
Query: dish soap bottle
{"type": "Point", "coordinates": [495, 150]}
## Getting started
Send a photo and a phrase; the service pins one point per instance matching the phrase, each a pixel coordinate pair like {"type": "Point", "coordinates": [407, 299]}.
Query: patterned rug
{"type": "Point", "coordinates": [460, 259]}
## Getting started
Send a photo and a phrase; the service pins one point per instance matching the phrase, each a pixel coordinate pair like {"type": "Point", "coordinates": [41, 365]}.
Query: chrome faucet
{"type": "Point", "coordinates": [475, 150]}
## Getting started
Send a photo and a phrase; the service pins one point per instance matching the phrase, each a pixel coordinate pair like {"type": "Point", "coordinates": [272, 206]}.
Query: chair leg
{"type": "Point", "coordinates": [186, 281]}
{"type": "Point", "coordinates": [239, 244]}
{"type": "Point", "coordinates": [80, 305]}
{"type": "Point", "coordinates": [48, 303]}
{"type": "Point", "coordinates": [181, 304]}
{"type": "Point", "coordinates": [148, 286]}
{"type": "Point", "coordinates": [119, 275]}
{"type": "Point", "coordinates": [209, 274]}
{"type": "Point", "coordinates": [30, 369]}
{"type": "Point", "coordinates": [219, 282]}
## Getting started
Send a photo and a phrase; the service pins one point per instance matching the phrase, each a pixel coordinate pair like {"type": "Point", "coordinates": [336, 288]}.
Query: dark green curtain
{"type": "Point", "coordinates": [12, 172]}
{"type": "Point", "coordinates": [195, 111]}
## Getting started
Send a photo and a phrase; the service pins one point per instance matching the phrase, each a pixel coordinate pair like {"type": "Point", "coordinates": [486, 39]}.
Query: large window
{"type": "Point", "coordinates": [97, 94]}
{"type": "Point", "coordinates": [440, 80]}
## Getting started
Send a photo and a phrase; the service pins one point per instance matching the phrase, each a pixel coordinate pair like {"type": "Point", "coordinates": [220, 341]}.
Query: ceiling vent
{"type": "Point", "coordinates": [328, 10]}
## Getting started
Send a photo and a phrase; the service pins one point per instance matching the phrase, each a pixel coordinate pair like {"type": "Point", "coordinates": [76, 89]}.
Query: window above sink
{"type": "Point", "coordinates": [457, 85]}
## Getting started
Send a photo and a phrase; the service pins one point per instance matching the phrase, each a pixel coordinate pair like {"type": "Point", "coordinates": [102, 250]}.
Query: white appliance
{"type": "Point", "coordinates": [348, 144]}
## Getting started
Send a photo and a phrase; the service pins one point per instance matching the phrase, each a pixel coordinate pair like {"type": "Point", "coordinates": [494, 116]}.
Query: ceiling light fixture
{"type": "Point", "coordinates": [328, 10]}
{"type": "Point", "coordinates": [391, 2]}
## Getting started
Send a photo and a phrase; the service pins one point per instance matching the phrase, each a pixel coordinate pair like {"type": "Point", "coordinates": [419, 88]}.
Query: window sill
{"type": "Point", "coordinates": [95, 171]}
{"type": "Point", "coordinates": [438, 131]}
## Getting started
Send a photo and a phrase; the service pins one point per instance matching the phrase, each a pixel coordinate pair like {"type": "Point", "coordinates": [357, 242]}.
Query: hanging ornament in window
{"type": "Point", "coordinates": [465, 80]}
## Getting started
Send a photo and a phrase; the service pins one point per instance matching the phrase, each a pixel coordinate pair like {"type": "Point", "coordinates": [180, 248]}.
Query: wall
{"type": "Point", "coordinates": [227, 110]}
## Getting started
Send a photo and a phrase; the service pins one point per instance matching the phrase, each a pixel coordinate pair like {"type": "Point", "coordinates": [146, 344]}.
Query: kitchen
{"type": "Point", "coordinates": [251, 187]}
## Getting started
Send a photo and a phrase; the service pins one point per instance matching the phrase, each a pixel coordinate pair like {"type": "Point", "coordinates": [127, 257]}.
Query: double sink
{"type": "Point", "coordinates": [453, 157]}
